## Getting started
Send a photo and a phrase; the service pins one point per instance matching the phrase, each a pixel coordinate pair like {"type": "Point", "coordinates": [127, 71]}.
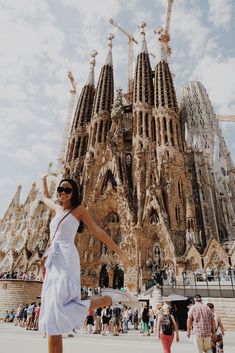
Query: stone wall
{"type": "Point", "coordinates": [16, 292]}
{"type": "Point", "coordinates": [225, 308]}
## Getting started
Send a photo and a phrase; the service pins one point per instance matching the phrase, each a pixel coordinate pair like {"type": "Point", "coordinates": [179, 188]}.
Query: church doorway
{"type": "Point", "coordinates": [104, 277]}
{"type": "Point", "coordinates": [118, 278]}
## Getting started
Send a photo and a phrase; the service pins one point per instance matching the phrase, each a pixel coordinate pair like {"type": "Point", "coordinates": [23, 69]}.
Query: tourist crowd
{"type": "Point", "coordinates": [203, 323]}
{"type": "Point", "coordinates": [26, 316]}
{"type": "Point", "coordinates": [28, 276]}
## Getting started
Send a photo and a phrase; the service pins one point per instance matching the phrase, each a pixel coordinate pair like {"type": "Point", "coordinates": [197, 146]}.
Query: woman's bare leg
{"type": "Point", "coordinates": [55, 344]}
{"type": "Point", "coordinates": [100, 302]}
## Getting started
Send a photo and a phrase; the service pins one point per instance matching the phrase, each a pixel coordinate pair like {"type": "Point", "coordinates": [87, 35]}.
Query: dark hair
{"type": "Point", "coordinates": [76, 198]}
{"type": "Point", "coordinates": [211, 305]}
{"type": "Point", "coordinates": [198, 298]}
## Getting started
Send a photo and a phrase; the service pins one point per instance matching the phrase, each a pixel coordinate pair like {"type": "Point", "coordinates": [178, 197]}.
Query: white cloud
{"type": "Point", "coordinates": [31, 157]}
{"type": "Point", "coordinates": [93, 9]}
{"type": "Point", "coordinates": [220, 12]}
{"type": "Point", "coordinates": [188, 27]}
{"type": "Point", "coordinates": [216, 74]}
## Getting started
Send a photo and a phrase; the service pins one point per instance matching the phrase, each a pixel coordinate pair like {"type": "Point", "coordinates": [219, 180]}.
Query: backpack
{"type": "Point", "coordinates": [167, 325]}
{"type": "Point", "coordinates": [117, 312]}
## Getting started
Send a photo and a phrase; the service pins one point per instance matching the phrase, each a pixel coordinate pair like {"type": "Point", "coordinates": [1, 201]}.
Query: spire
{"type": "Point", "coordinates": [143, 83]}
{"type": "Point", "coordinates": [109, 59]}
{"type": "Point", "coordinates": [164, 91]}
{"type": "Point", "coordinates": [91, 75]}
{"type": "Point", "coordinates": [143, 45]}
{"type": "Point", "coordinates": [15, 203]}
{"type": "Point", "coordinates": [105, 88]}
{"type": "Point", "coordinates": [84, 107]}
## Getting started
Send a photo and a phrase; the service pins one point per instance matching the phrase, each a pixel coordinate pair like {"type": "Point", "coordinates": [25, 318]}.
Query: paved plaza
{"type": "Point", "coordinates": [15, 339]}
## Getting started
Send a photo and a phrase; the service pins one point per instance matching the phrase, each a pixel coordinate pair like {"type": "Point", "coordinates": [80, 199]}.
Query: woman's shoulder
{"type": "Point", "coordinates": [80, 211]}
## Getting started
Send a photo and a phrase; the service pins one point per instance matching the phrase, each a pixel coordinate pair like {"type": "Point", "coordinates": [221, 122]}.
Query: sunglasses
{"type": "Point", "coordinates": [60, 189]}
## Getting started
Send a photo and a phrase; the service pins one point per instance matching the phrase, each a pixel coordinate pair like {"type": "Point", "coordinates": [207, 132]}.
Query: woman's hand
{"type": "Point", "coordinates": [44, 176]}
{"type": "Point", "coordinates": [177, 338]}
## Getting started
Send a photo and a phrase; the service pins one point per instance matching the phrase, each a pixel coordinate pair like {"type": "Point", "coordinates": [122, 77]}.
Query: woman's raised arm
{"type": "Point", "coordinates": [45, 194]}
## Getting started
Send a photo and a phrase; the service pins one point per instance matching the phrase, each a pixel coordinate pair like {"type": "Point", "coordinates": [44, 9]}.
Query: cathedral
{"type": "Point", "coordinates": [155, 174]}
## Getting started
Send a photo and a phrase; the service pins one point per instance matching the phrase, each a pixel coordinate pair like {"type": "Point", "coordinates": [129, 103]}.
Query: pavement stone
{"type": "Point", "coordinates": [16, 339]}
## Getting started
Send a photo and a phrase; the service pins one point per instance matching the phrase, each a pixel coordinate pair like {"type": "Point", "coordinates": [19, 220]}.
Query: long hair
{"type": "Point", "coordinates": [76, 198]}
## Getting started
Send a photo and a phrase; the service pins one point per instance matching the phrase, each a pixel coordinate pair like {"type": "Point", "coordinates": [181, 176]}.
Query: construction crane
{"type": "Point", "coordinates": [230, 118]}
{"type": "Point", "coordinates": [164, 34]}
{"type": "Point", "coordinates": [67, 126]}
{"type": "Point", "coordinates": [131, 40]}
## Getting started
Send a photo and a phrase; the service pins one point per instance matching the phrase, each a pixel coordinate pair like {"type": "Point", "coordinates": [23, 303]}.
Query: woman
{"type": "Point", "coordinates": [62, 309]}
{"type": "Point", "coordinates": [145, 320]}
{"type": "Point", "coordinates": [166, 326]}
{"type": "Point", "coordinates": [218, 344]}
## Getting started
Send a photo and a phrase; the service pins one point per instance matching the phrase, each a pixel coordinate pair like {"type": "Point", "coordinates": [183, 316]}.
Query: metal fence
{"type": "Point", "coordinates": [206, 283]}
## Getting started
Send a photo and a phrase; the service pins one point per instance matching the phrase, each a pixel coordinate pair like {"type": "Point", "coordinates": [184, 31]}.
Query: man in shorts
{"type": "Point", "coordinates": [201, 323]}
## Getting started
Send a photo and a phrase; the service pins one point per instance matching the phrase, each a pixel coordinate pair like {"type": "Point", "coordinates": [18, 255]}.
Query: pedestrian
{"type": "Point", "coordinates": [90, 320]}
{"type": "Point", "coordinates": [202, 324]}
{"type": "Point", "coordinates": [136, 319]}
{"type": "Point", "coordinates": [62, 309]}
{"type": "Point", "coordinates": [166, 326]}
{"type": "Point", "coordinates": [218, 345]}
{"type": "Point", "coordinates": [151, 318]}
{"type": "Point", "coordinates": [116, 319]}
{"type": "Point", "coordinates": [37, 314]}
{"type": "Point", "coordinates": [145, 320]}
{"type": "Point", "coordinates": [98, 323]}
{"type": "Point", "coordinates": [105, 321]}
{"type": "Point", "coordinates": [125, 316]}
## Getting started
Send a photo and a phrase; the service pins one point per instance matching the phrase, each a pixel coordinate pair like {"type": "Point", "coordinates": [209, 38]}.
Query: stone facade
{"type": "Point", "coordinates": [14, 292]}
{"type": "Point", "coordinates": [158, 178]}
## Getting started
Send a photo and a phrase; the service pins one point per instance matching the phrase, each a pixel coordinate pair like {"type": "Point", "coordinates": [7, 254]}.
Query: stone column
{"type": "Point", "coordinates": [157, 296]}
{"type": "Point", "coordinates": [168, 132]}
{"type": "Point", "coordinates": [163, 132]}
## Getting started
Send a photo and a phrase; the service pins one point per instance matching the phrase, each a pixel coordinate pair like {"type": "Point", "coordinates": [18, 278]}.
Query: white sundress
{"type": "Point", "coordinates": [62, 309]}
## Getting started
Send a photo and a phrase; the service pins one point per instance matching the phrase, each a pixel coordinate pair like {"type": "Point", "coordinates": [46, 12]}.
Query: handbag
{"type": "Point", "coordinates": [44, 256]}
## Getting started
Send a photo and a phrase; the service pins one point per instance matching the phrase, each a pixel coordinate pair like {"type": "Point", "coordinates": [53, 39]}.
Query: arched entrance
{"type": "Point", "coordinates": [118, 278]}
{"type": "Point", "coordinates": [104, 277]}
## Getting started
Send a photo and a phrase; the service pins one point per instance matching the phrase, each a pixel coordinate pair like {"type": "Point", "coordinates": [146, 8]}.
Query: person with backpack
{"type": "Point", "coordinates": [116, 319]}
{"type": "Point", "coordinates": [145, 320]}
{"type": "Point", "coordinates": [166, 326]}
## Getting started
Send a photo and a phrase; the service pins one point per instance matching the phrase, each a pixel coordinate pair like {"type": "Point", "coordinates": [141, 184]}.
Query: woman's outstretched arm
{"type": "Point", "coordinates": [45, 194]}
{"type": "Point", "coordinates": [83, 214]}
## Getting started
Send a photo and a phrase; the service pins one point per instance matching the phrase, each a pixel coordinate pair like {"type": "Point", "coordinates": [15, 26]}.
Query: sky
{"type": "Point", "coordinates": [42, 39]}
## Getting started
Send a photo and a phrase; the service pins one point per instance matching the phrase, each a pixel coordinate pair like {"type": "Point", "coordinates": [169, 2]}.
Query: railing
{"type": "Point", "coordinates": [208, 284]}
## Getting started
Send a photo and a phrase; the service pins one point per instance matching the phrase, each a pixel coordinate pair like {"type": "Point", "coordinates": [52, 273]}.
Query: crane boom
{"type": "Point", "coordinates": [117, 25]}
{"type": "Point", "coordinates": [131, 40]}
{"type": "Point", "coordinates": [67, 125]}
{"type": "Point", "coordinates": [168, 16]}
{"type": "Point", "coordinates": [230, 118]}
{"type": "Point", "coordinates": [164, 34]}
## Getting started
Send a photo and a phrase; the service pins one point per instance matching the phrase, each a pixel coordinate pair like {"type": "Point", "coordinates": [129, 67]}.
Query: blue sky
{"type": "Point", "coordinates": [42, 39]}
